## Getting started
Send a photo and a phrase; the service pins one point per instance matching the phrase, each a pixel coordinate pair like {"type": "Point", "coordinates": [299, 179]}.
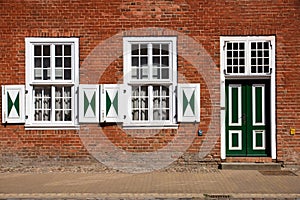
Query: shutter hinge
{"type": "Point", "coordinates": [225, 73]}
{"type": "Point", "coordinates": [26, 91]}
{"type": "Point", "coordinates": [224, 46]}
{"type": "Point", "coordinates": [270, 44]}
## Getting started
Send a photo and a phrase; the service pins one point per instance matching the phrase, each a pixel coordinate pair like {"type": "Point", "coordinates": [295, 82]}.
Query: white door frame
{"type": "Point", "coordinates": [223, 77]}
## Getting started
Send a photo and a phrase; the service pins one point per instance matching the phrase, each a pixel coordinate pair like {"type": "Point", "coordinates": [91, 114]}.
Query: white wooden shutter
{"type": "Point", "coordinates": [89, 103]}
{"type": "Point", "coordinates": [13, 104]}
{"type": "Point", "coordinates": [188, 102]}
{"type": "Point", "coordinates": [110, 103]}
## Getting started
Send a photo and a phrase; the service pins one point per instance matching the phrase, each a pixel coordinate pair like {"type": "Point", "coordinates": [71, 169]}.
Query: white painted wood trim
{"type": "Point", "coordinates": [239, 87]}
{"type": "Point", "coordinates": [239, 132]}
{"type": "Point", "coordinates": [263, 132]}
{"type": "Point", "coordinates": [254, 86]}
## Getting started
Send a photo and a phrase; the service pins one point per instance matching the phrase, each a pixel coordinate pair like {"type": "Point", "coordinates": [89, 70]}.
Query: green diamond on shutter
{"type": "Point", "coordinates": [115, 103]}
{"type": "Point", "coordinates": [192, 102]}
{"type": "Point", "coordinates": [108, 103]}
{"type": "Point", "coordinates": [185, 102]}
{"type": "Point", "coordinates": [12, 104]}
{"type": "Point", "coordinates": [93, 103]}
{"type": "Point", "coordinates": [86, 103]}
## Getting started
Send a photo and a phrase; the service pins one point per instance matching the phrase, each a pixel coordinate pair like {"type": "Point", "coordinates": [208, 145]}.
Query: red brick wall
{"type": "Point", "coordinates": [97, 21]}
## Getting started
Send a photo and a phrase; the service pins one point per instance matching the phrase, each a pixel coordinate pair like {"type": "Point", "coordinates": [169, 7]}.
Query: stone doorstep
{"type": "Point", "coordinates": [250, 166]}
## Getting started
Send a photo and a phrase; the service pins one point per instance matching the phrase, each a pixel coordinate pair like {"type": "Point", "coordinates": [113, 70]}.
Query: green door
{"type": "Point", "coordinates": [248, 118]}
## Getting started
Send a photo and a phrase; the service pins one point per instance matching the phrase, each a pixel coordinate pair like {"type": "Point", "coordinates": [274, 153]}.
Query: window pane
{"type": "Point", "coordinates": [37, 62]}
{"type": "Point", "coordinates": [67, 74]}
{"type": "Point", "coordinates": [165, 61]}
{"type": "Point", "coordinates": [165, 73]}
{"type": "Point", "coordinates": [165, 49]}
{"type": "Point", "coordinates": [156, 49]}
{"type": "Point", "coordinates": [135, 61]}
{"type": "Point", "coordinates": [46, 62]}
{"type": "Point", "coordinates": [143, 49]}
{"type": "Point", "coordinates": [161, 105]}
{"type": "Point", "coordinates": [58, 50]}
{"type": "Point", "coordinates": [37, 50]}
{"type": "Point", "coordinates": [139, 102]}
{"type": "Point", "coordinates": [58, 62]}
{"type": "Point", "coordinates": [67, 50]}
{"type": "Point", "coordinates": [42, 103]}
{"type": "Point", "coordinates": [156, 61]}
{"type": "Point", "coordinates": [46, 50]}
{"type": "Point", "coordinates": [134, 49]}
{"type": "Point", "coordinates": [67, 62]}
{"type": "Point", "coordinates": [63, 104]}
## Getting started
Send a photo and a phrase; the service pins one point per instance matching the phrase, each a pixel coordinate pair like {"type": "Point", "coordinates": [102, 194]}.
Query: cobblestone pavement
{"type": "Point", "coordinates": [203, 184]}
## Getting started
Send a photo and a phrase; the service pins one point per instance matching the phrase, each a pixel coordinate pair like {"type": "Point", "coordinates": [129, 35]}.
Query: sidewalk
{"type": "Point", "coordinates": [169, 185]}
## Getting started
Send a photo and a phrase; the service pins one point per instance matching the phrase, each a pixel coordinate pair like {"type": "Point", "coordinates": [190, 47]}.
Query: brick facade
{"type": "Point", "coordinates": [100, 26]}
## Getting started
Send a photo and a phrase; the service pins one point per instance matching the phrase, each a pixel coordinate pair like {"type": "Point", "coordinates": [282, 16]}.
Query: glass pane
{"type": "Point", "coordinates": [46, 62]}
{"type": "Point", "coordinates": [165, 49]}
{"type": "Point", "coordinates": [156, 49]}
{"type": "Point", "coordinates": [134, 73]}
{"type": "Point", "coordinates": [156, 115]}
{"type": "Point", "coordinates": [58, 92]}
{"type": "Point", "coordinates": [135, 61]}
{"type": "Point", "coordinates": [68, 116]}
{"type": "Point", "coordinates": [266, 69]}
{"type": "Point", "coordinates": [144, 73]}
{"type": "Point", "coordinates": [156, 73]}
{"type": "Point", "coordinates": [67, 62]}
{"type": "Point", "coordinates": [242, 45]}
{"type": "Point", "coordinates": [229, 61]}
{"type": "Point", "coordinates": [46, 50]}
{"type": "Point", "coordinates": [67, 50]}
{"type": "Point", "coordinates": [58, 50]}
{"type": "Point", "coordinates": [144, 61]}
{"type": "Point", "coordinates": [59, 74]}
{"type": "Point", "coordinates": [134, 49]}
{"type": "Point", "coordinates": [67, 92]}
{"type": "Point", "coordinates": [229, 46]}
{"type": "Point", "coordinates": [165, 61]}
{"type": "Point", "coordinates": [37, 62]}
{"type": "Point", "coordinates": [37, 50]}
{"type": "Point", "coordinates": [156, 61]}
{"type": "Point", "coordinates": [165, 73]}
{"type": "Point", "coordinates": [58, 103]}
{"type": "Point", "coordinates": [235, 46]}
{"type": "Point", "coordinates": [58, 115]}
{"type": "Point", "coordinates": [229, 54]}
{"type": "Point", "coordinates": [58, 62]}
{"type": "Point", "coordinates": [144, 49]}
{"type": "Point", "coordinates": [229, 69]}
{"type": "Point", "coordinates": [46, 74]}
{"type": "Point", "coordinates": [67, 74]}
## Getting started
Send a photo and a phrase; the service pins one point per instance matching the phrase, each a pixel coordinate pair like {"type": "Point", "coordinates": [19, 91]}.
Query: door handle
{"type": "Point", "coordinates": [244, 118]}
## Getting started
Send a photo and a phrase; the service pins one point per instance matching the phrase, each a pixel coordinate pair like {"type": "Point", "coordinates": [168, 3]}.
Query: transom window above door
{"type": "Point", "coordinates": [247, 55]}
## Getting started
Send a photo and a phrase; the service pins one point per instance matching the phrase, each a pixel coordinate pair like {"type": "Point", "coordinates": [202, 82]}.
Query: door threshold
{"type": "Point", "coordinates": [250, 166]}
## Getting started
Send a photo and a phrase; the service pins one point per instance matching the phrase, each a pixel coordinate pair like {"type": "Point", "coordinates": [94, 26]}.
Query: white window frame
{"type": "Point", "coordinates": [171, 82]}
{"type": "Point", "coordinates": [52, 83]}
{"type": "Point", "coordinates": [247, 40]}
{"type": "Point", "coordinates": [271, 76]}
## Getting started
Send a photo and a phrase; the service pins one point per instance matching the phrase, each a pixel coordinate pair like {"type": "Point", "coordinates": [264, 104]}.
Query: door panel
{"type": "Point", "coordinates": [248, 118]}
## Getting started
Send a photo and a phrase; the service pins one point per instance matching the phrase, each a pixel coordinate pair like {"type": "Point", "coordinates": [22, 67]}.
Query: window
{"type": "Point", "coordinates": [51, 82]}
{"type": "Point", "coordinates": [150, 70]}
{"type": "Point", "coordinates": [247, 55]}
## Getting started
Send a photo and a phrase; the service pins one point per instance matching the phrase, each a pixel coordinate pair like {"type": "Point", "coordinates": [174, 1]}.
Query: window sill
{"type": "Point", "coordinates": [52, 127]}
{"type": "Point", "coordinates": [150, 126]}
